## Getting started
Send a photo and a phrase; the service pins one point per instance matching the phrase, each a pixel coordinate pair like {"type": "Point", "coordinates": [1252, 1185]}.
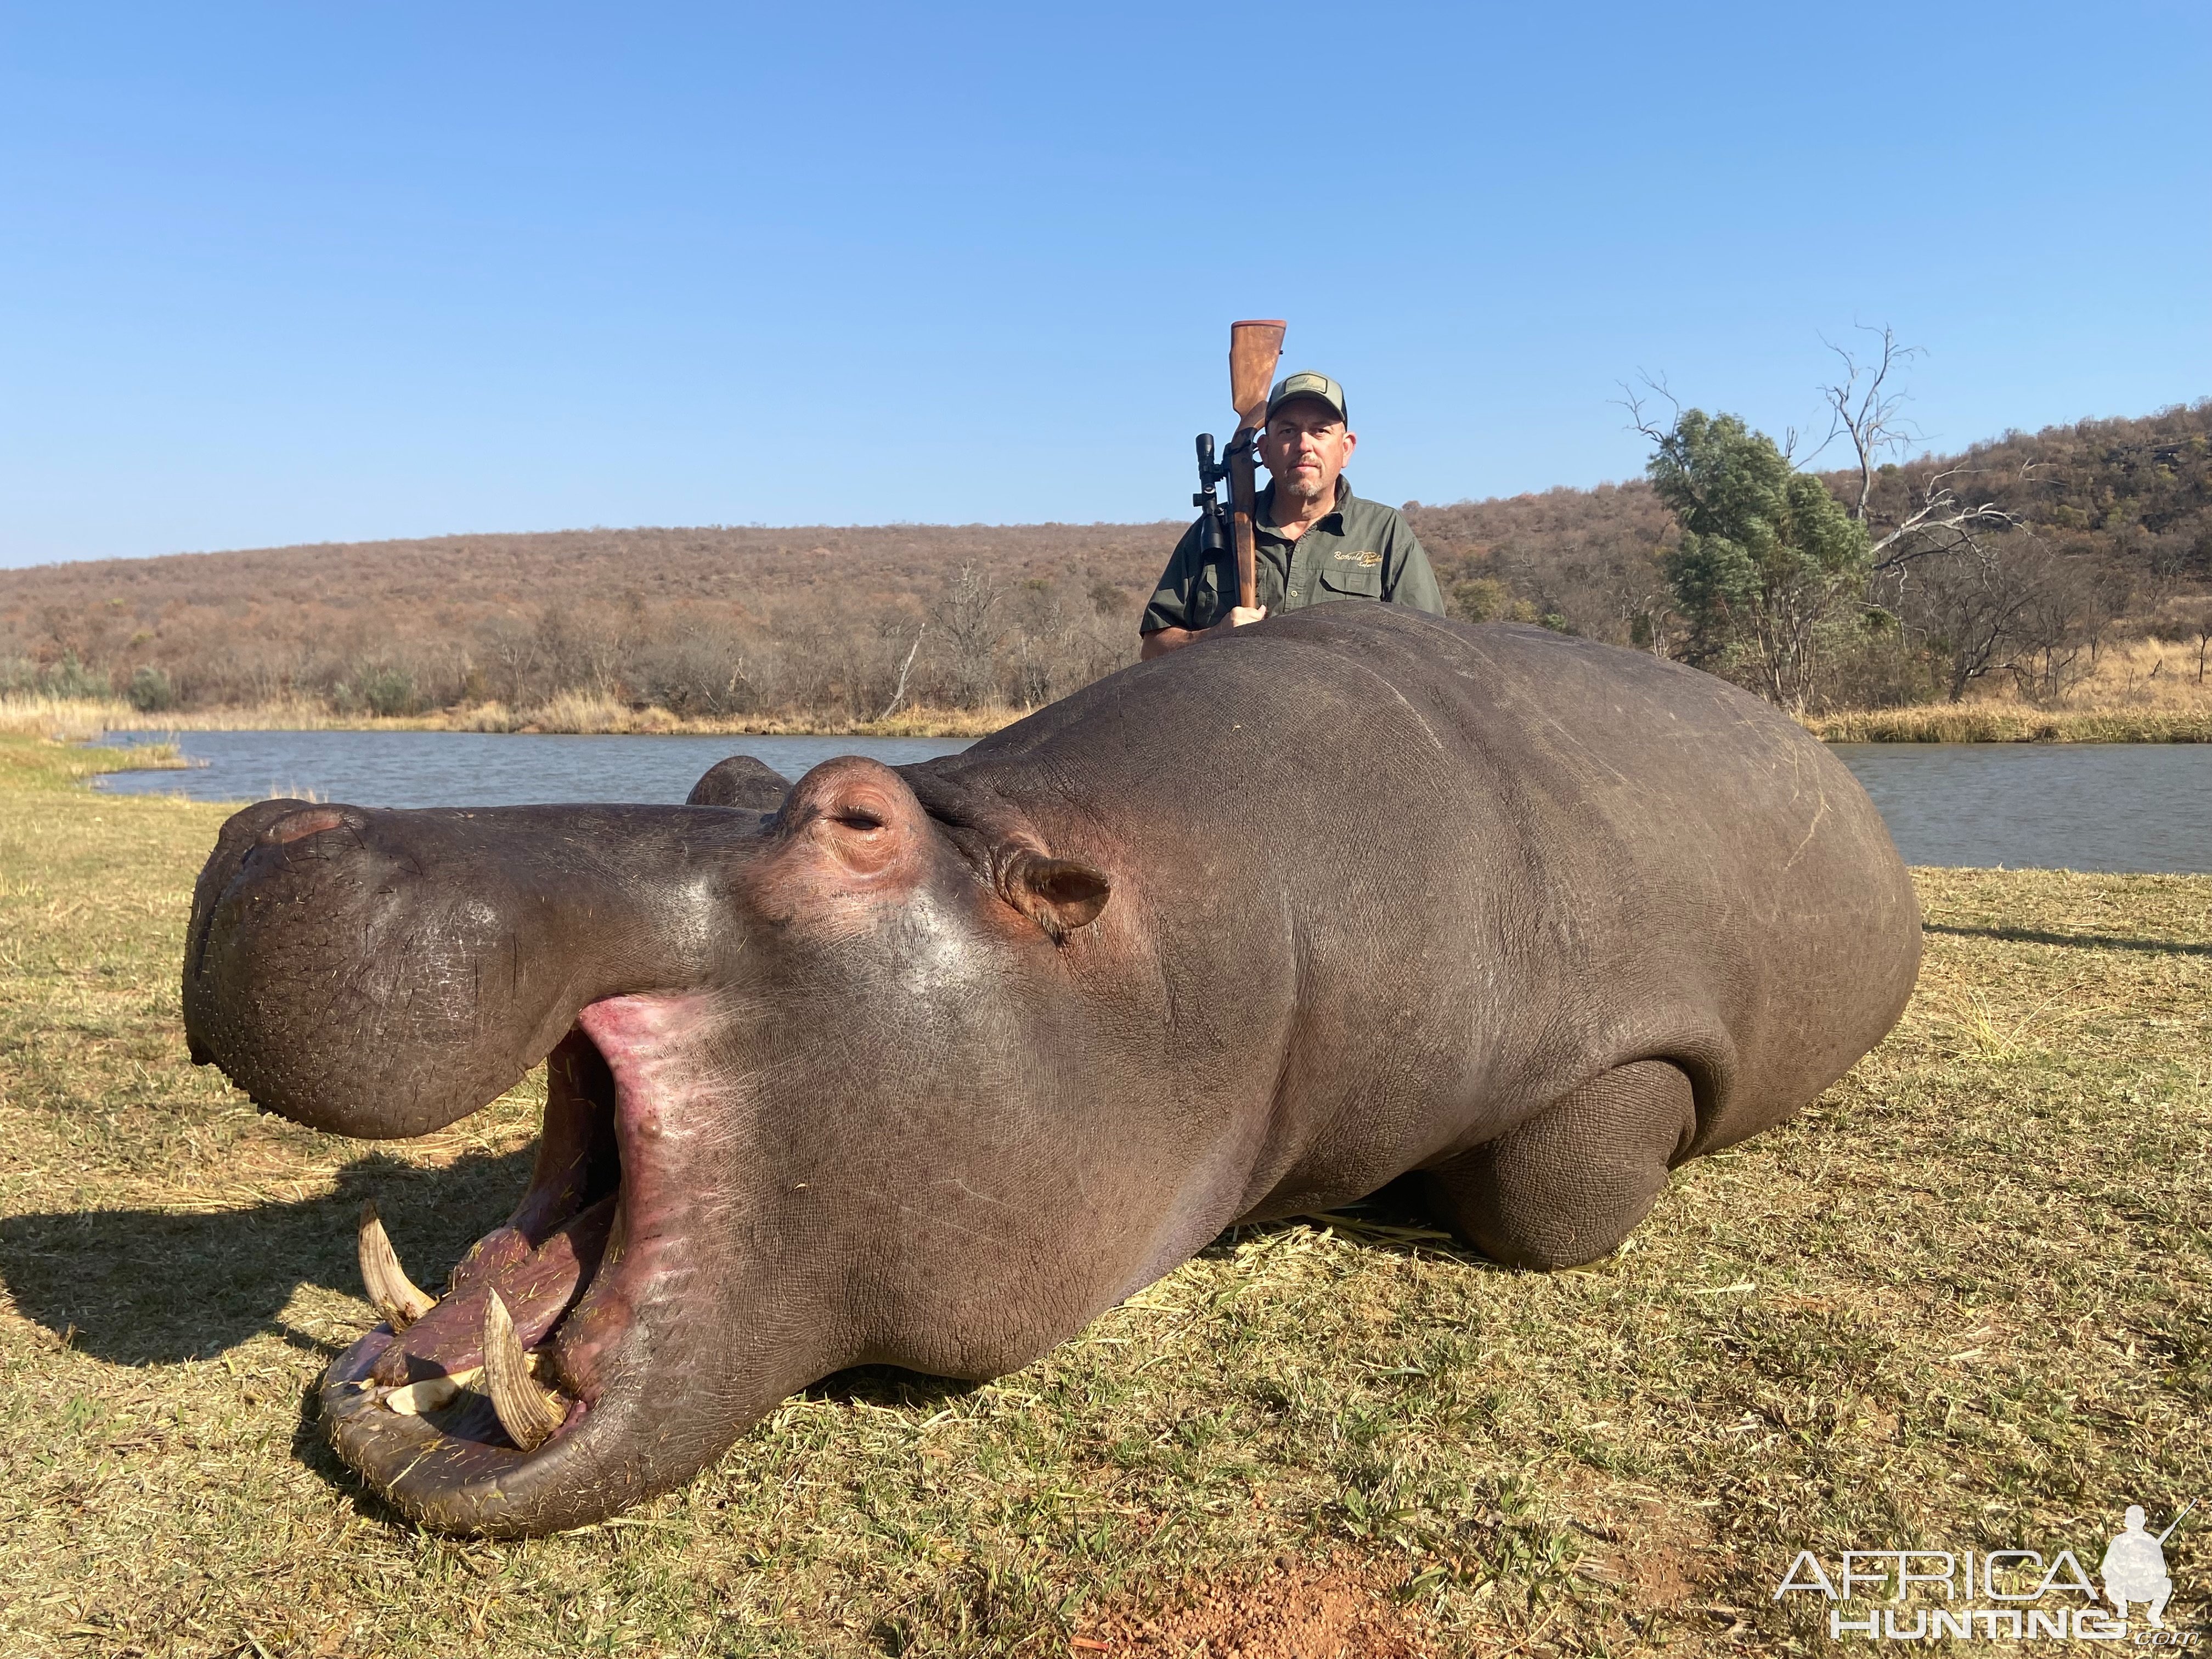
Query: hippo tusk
{"type": "Point", "coordinates": [527, 1411]}
{"type": "Point", "coordinates": [429, 1394]}
{"type": "Point", "coordinates": [397, 1297]}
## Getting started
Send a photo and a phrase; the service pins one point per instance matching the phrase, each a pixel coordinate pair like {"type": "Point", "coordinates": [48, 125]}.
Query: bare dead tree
{"type": "Point", "coordinates": [2201, 630]}
{"type": "Point", "coordinates": [1868, 408]}
{"type": "Point", "coordinates": [1950, 567]}
{"type": "Point", "coordinates": [905, 668]}
{"type": "Point", "coordinates": [969, 616]}
{"type": "Point", "coordinates": [1640, 419]}
{"type": "Point", "coordinates": [1936, 521]}
{"type": "Point", "coordinates": [1971, 605]}
{"type": "Point", "coordinates": [2055, 635]}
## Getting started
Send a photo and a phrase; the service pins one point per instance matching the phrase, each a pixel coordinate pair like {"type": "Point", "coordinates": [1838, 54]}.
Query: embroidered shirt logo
{"type": "Point", "coordinates": [1366, 556]}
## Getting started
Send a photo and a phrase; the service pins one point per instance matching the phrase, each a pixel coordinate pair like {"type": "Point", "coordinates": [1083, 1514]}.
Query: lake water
{"type": "Point", "coordinates": [2142, 807]}
{"type": "Point", "coordinates": [2079, 807]}
{"type": "Point", "coordinates": [477, 768]}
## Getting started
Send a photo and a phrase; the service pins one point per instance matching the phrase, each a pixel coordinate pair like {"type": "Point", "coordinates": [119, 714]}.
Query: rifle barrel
{"type": "Point", "coordinates": [2185, 1507]}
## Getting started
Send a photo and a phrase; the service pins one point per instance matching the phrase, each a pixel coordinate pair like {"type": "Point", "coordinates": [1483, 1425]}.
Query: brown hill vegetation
{"type": "Point", "coordinates": [2128, 503]}
{"type": "Point", "coordinates": [2115, 531]}
{"type": "Point", "coordinates": [711, 621]}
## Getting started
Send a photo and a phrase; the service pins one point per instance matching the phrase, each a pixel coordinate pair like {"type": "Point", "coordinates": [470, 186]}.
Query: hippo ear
{"type": "Point", "coordinates": [1058, 895]}
{"type": "Point", "coordinates": [740, 781]}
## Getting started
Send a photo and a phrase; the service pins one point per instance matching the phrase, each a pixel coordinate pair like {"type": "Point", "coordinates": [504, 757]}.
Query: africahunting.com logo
{"type": "Point", "coordinates": [2011, 1596]}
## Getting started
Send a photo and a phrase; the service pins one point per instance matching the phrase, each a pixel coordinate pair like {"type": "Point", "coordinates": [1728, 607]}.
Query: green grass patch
{"type": "Point", "coordinates": [1962, 1300]}
{"type": "Point", "coordinates": [30, 764]}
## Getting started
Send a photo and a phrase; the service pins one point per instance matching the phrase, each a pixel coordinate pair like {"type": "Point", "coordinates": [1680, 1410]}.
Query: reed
{"type": "Point", "coordinates": [1995, 722]}
{"type": "Point", "coordinates": [569, 713]}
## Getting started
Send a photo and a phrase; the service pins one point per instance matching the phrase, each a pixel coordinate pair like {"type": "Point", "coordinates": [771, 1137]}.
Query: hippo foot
{"type": "Point", "coordinates": [1569, 1186]}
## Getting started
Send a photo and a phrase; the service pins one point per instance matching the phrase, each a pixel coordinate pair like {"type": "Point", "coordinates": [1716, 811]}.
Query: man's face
{"type": "Point", "coordinates": [1304, 448]}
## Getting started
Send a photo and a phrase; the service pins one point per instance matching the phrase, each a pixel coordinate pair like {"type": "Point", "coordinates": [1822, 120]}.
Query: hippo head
{"type": "Point", "coordinates": [768, 1037]}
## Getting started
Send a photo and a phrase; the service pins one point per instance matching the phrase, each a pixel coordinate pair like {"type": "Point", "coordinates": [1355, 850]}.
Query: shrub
{"type": "Point", "coordinates": [70, 678]}
{"type": "Point", "coordinates": [151, 691]}
{"type": "Point", "coordinates": [380, 689]}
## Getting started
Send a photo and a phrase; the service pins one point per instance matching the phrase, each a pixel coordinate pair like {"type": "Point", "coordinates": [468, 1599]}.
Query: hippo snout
{"type": "Point", "coordinates": [382, 973]}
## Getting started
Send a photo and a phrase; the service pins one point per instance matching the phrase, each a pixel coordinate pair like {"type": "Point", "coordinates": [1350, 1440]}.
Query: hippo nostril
{"type": "Point", "coordinates": [296, 826]}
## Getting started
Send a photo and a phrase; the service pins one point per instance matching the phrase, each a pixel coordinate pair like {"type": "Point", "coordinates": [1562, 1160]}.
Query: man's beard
{"type": "Point", "coordinates": [1305, 492]}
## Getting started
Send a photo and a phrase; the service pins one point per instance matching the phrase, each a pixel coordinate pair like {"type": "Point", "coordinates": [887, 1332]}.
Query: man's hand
{"type": "Point", "coordinates": [1161, 640]}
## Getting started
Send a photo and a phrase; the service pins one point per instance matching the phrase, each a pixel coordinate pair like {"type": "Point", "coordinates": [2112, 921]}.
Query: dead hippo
{"type": "Point", "coordinates": [929, 1066]}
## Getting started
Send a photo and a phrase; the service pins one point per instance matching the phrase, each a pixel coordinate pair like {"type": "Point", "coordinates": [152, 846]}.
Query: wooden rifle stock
{"type": "Point", "coordinates": [1254, 347]}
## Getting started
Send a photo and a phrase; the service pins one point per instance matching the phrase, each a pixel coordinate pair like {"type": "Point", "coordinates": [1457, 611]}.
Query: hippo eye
{"type": "Point", "coordinates": [856, 818]}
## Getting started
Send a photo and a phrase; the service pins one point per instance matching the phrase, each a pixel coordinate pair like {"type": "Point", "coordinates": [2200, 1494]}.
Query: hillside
{"type": "Point", "coordinates": [728, 621]}
{"type": "Point", "coordinates": [710, 621]}
{"type": "Point", "coordinates": [2128, 502]}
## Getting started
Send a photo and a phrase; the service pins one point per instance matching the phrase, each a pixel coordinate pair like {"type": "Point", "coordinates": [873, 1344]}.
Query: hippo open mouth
{"type": "Point", "coordinates": [700, 1235]}
{"type": "Point", "coordinates": [453, 1398]}
{"type": "Point", "coordinates": [383, 974]}
{"type": "Point", "coordinates": [499, 1359]}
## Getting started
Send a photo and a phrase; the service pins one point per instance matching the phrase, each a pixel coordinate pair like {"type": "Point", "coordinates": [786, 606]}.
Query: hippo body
{"type": "Point", "coordinates": [929, 1066]}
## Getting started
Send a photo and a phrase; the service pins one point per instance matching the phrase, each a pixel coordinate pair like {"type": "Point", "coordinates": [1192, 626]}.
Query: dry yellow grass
{"type": "Point", "coordinates": [2155, 676]}
{"type": "Point", "coordinates": [1963, 1299]}
{"type": "Point", "coordinates": [64, 719]}
{"type": "Point", "coordinates": [2141, 691]}
{"type": "Point", "coordinates": [1997, 722]}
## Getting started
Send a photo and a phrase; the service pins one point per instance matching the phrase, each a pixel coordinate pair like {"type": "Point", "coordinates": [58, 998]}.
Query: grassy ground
{"type": "Point", "coordinates": [1964, 1299]}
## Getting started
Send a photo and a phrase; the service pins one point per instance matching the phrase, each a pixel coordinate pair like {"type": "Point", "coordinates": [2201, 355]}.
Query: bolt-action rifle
{"type": "Point", "coordinates": [1254, 347]}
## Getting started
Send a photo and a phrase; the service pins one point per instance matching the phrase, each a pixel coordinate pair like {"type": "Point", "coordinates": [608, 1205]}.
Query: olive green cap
{"type": "Point", "coordinates": [1307, 383]}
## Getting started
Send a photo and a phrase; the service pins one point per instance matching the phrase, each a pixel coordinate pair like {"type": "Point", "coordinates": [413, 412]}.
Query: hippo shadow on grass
{"type": "Point", "coordinates": [143, 1287]}
{"type": "Point", "coordinates": [2083, 941]}
{"type": "Point", "coordinates": [150, 1287]}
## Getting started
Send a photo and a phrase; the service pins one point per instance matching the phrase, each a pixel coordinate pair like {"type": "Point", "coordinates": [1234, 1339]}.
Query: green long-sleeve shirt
{"type": "Point", "coordinates": [1358, 549]}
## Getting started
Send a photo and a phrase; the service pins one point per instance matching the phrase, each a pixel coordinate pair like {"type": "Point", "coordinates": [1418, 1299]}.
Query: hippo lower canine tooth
{"type": "Point", "coordinates": [397, 1297]}
{"type": "Point", "coordinates": [430, 1395]}
{"type": "Point", "coordinates": [527, 1411]}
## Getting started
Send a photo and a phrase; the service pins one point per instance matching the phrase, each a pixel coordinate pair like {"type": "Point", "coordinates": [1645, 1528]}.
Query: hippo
{"type": "Point", "coordinates": [928, 1065]}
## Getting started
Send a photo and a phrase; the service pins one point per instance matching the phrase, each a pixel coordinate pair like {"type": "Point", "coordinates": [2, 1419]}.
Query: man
{"type": "Point", "coordinates": [1314, 540]}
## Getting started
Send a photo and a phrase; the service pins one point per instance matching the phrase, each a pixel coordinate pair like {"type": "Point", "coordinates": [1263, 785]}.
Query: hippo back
{"type": "Point", "coordinates": [1654, 862]}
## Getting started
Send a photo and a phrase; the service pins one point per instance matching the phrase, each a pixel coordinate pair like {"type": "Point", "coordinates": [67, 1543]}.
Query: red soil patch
{"type": "Point", "coordinates": [1330, 1607]}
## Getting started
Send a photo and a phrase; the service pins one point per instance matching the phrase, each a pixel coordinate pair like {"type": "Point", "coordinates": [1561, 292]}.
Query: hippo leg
{"type": "Point", "coordinates": [1568, 1185]}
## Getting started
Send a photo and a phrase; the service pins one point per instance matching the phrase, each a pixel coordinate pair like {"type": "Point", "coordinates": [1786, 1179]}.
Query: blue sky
{"type": "Point", "coordinates": [295, 273]}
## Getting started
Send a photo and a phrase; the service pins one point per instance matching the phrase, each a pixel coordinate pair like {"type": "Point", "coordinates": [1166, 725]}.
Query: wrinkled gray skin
{"type": "Point", "coordinates": [929, 1066]}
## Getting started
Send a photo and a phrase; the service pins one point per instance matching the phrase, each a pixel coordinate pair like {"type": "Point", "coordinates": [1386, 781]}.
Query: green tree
{"type": "Point", "coordinates": [1769, 566]}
